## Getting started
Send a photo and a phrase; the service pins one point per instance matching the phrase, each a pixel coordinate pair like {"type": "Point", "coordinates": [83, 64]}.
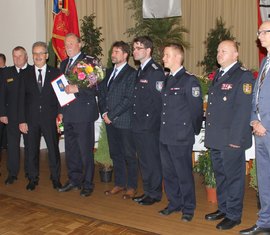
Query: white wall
{"type": "Point", "coordinates": [22, 22]}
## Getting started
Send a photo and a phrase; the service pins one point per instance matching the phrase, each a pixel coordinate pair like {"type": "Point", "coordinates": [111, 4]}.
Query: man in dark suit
{"type": "Point", "coordinates": [181, 119]}
{"type": "Point", "coordinates": [228, 133]}
{"type": "Point", "coordinates": [38, 109]}
{"type": "Point", "coordinates": [78, 117]}
{"type": "Point", "coordinates": [9, 98]}
{"type": "Point", "coordinates": [260, 122]}
{"type": "Point", "coordinates": [115, 100]}
{"type": "Point", "coordinates": [146, 119]}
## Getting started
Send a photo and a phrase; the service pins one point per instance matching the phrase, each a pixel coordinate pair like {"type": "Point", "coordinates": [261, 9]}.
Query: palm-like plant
{"type": "Point", "coordinates": [161, 31]}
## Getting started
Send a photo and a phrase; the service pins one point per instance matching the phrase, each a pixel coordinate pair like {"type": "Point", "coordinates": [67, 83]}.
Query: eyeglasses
{"type": "Point", "coordinates": [39, 53]}
{"type": "Point", "coordinates": [137, 48]}
{"type": "Point", "coordinates": [262, 32]}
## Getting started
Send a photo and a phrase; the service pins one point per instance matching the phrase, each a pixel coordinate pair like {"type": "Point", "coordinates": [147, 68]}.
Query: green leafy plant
{"type": "Point", "coordinates": [91, 36]}
{"type": "Point", "coordinates": [161, 31]}
{"type": "Point", "coordinates": [215, 36]}
{"type": "Point", "coordinates": [253, 176]}
{"type": "Point", "coordinates": [102, 155]}
{"type": "Point", "coordinates": [204, 167]}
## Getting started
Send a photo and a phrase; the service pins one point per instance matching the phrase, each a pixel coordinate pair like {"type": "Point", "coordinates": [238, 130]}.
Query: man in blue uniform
{"type": "Point", "coordinates": [145, 120]}
{"type": "Point", "coordinates": [181, 119]}
{"type": "Point", "coordinates": [228, 133]}
{"type": "Point", "coordinates": [261, 125]}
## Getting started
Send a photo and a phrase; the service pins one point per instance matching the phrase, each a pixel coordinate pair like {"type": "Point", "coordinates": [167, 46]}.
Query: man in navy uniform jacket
{"type": "Point", "coordinates": [181, 119]}
{"type": "Point", "coordinates": [228, 133]}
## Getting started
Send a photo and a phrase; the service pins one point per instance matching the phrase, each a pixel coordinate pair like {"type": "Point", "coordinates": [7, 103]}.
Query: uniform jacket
{"type": "Point", "coordinates": [228, 110]}
{"type": "Point", "coordinates": [9, 92]}
{"type": "Point", "coordinates": [35, 106]}
{"type": "Point", "coordinates": [147, 98]}
{"type": "Point", "coordinates": [264, 96]}
{"type": "Point", "coordinates": [182, 109]}
{"type": "Point", "coordinates": [84, 107]}
{"type": "Point", "coordinates": [117, 101]}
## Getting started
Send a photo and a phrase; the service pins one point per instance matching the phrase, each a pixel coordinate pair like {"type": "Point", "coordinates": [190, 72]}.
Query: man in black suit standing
{"type": "Point", "coordinates": [9, 99]}
{"type": "Point", "coordinates": [115, 102]}
{"type": "Point", "coordinates": [146, 119]}
{"type": "Point", "coordinates": [38, 109]}
{"type": "Point", "coordinates": [78, 117]}
{"type": "Point", "coordinates": [181, 119]}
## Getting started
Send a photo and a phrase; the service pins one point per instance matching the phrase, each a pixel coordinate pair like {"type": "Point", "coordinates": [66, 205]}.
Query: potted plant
{"type": "Point", "coordinates": [102, 156]}
{"type": "Point", "coordinates": [204, 167]}
{"type": "Point", "coordinates": [253, 183]}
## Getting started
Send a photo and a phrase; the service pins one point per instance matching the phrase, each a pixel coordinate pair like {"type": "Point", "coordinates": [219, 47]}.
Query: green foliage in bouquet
{"type": "Point", "coordinates": [253, 176]}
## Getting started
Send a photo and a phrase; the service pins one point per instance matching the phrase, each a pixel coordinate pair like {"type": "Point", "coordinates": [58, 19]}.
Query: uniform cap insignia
{"type": "Point", "coordinates": [196, 91]}
{"type": "Point", "coordinates": [247, 88]}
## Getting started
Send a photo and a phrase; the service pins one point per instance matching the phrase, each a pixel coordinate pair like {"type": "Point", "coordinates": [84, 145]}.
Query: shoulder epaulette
{"type": "Point", "coordinates": [189, 73]}
{"type": "Point", "coordinates": [155, 66]}
{"type": "Point", "coordinates": [243, 68]}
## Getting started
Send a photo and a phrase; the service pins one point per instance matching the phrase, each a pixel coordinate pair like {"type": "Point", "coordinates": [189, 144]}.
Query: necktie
{"type": "Point", "coordinates": [219, 75]}
{"type": "Point", "coordinates": [112, 78]}
{"type": "Point", "coordinates": [264, 72]}
{"type": "Point", "coordinates": [39, 80]}
{"type": "Point", "coordinates": [68, 65]}
{"type": "Point", "coordinates": [139, 71]}
{"type": "Point", "coordinates": [20, 70]}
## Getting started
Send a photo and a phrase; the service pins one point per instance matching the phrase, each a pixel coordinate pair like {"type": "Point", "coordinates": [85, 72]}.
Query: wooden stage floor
{"type": "Point", "coordinates": [114, 209]}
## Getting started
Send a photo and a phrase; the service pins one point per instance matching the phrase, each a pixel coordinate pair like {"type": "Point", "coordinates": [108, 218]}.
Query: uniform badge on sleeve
{"type": "Point", "coordinates": [247, 88]}
{"type": "Point", "coordinates": [159, 85]}
{"type": "Point", "coordinates": [196, 91]}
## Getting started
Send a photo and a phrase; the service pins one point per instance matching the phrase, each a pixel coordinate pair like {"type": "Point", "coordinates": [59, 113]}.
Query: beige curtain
{"type": "Point", "coordinates": [198, 16]}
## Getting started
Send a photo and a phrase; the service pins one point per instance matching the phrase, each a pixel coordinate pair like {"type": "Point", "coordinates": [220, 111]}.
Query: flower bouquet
{"type": "Point", "coordinates": [86, 73]}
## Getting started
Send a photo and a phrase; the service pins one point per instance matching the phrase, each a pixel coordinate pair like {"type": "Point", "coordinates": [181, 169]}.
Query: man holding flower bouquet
{"type": "Point", "coordinates": [82, 72]}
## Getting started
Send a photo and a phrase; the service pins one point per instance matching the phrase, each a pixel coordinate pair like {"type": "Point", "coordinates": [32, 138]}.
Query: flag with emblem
{"type": "Point", "coordinates": [65, 21]}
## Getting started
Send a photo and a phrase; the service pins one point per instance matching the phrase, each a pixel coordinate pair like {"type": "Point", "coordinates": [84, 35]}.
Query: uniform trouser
{"type": "Point", "coordinates": [229, 168]}
{"type": "Point", "coordinates": [3, 135]}
{"type": "Point", "coordinates": [262, 150]}
{"type": "Point", "coordinates": [51, 138]}
{"type": "Point", "coordinates": [123, 154]}
{"type": "Point", "coordinates": [79, 145]}
{"type": "Point", "coordinates": [147, 147]}
{"type": "Point", "coordinates": [178, 177]}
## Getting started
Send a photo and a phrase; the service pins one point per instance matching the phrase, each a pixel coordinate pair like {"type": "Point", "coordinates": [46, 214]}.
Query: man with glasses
{"type": "Point", "coordinates": [146, 119]}
{"type": "Point", "coordinates": [38, 109]}
{"type": "Point", "coordinates": [260, 122]}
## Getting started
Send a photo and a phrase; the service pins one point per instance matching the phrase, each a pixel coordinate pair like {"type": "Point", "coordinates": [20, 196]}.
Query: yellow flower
{"type": "Point", "coordinates": [89, 69]}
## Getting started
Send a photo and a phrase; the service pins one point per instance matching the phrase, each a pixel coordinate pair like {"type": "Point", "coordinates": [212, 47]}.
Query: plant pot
{"type": "Point", "coordinates": [105, 175]}
{"type": "Point", "coordinates": [211, 194]}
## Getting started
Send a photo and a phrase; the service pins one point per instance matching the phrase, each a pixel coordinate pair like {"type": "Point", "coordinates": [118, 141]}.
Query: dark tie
{"type": "Point", "coordinates": [68, 65]}
{"type": "Point", "coordinates": [20, 70]}
{"type": "Point", "coordinates": [219, 75]}
{"type": "Point", "coordinates": [111, 80]}
{"type": "Point", "coordinates": [39, 81]}
{"type": "Point", "coordinates": [139, 71]}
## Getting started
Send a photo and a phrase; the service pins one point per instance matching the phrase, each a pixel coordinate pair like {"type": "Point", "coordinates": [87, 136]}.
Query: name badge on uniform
{"type": "Point", "coordinates": [226, 86]}
{"type": "Point", "coordinates": [175, 88]}
{"type": "Point", "coordinates": [159, 85]}
{"type": "Point", "coordinates": [196, 91]}
{"type": "Point", "coordinates": [143, 81]}
{"type": "Point", "coordinates": [247, 88]}
{"type": "Point", "coordinates": [10, 80]}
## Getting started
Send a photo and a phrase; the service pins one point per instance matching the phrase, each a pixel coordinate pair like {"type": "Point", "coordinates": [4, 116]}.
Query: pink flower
{"type": "Point", "coordinates": [81, 76]}
{"type": "Point", "coordinates": [211, 76]}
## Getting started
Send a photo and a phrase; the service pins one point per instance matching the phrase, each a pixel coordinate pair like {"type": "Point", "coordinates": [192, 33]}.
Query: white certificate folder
{"type": "Point", "coordinates": [59, 85]}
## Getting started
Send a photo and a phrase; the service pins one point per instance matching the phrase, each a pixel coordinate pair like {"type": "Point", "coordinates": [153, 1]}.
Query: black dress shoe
{"type": "Point", "coordinates": [139, 198]}
{"type": "Point", "coordinates": [215, 215]}
{"type": "Point", "coordinates": [166, 211]}
{"type": "Point", "coordinates": [10, 180]}
{"type": "Point", "coordinates": [255, 230]}
{"type": "Point", "coordinates": [56, 184]}
{"type": "Point", "coordinates": [187, 217]}
{"type": "Point", "coordinates": [67, 187]}
{"type": "Point", "coordinates": [31, 185]}
{"type": "Point", "coordinates": [85, 192]}
{"type": "Point", "coordinates": [227, 223]}
{"type": "Point", "coordinates": [147, 201]}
